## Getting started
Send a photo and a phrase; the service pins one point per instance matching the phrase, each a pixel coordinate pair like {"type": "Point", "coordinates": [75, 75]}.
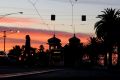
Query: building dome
{"type": "Point", "coordinates": [74, 39]}
{"type": "Point", "coordinates": [54, 40]}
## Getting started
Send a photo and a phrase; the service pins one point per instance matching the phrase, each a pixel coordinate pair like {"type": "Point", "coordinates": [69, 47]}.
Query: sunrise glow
{"type": "Point", "coordinates": [38, 37]}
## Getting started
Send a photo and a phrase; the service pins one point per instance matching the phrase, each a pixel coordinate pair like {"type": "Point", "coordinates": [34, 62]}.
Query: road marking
{"type": "Point", "coordinates": [27, 73]}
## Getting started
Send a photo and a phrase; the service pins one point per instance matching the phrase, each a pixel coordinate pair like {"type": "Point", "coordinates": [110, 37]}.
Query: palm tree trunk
{"type": "Point", "coordinates": [110, 59]}
{"type": "Point", "coordinates": [106, 60]}
{"type": "Point", "coordinates": [110, 49]}
{"type": "Point", "coordinates": [118, 62]}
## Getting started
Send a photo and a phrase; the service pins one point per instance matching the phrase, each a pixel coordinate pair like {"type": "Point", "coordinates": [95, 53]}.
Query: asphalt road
{"type": "Point", "coordinates": [81, 74]}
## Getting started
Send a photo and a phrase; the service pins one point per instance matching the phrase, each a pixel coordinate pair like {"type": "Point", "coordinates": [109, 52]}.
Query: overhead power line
{"type": "Point", "coordinates": [33, 4]}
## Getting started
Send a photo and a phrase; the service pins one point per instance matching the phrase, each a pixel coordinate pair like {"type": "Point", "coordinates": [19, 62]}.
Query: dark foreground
{"type": "Point", "coordinates": [59, 73]}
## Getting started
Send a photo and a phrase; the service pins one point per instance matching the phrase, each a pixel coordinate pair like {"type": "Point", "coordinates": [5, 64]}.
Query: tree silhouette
{"type": "Point", "coordinates": [15, 53]}
{"type": "Point", "coordinates": [42, 57]}
{"type": "Point", "coordinates": [107, 29]}
{"type": "Point", "coordinates": [41, 48]}
{"type": "Point", "coordinates": [94, 48]}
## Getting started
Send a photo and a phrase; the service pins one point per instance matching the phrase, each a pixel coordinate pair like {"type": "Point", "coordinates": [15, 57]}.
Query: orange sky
{"type": "Point", "coordinates": [38, 37]}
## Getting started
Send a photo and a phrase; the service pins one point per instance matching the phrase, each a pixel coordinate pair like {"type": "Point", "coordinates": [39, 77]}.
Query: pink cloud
{"type": "Point", "coordinates": [19, 20]}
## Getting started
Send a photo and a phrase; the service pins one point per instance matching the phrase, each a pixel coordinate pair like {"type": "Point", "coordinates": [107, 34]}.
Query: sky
{"type": "Point", "coordinates": [36, 19]}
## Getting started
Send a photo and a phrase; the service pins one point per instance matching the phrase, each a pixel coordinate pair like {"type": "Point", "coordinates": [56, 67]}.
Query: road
{"type": "Point", "coordinates": [64, 73]}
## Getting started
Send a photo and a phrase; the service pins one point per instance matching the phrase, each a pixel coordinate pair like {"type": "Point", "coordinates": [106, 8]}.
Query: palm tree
{"type": "Point", "coordinates": [92, 50]}
{"type": "Point", "coordinates": [107, 29]}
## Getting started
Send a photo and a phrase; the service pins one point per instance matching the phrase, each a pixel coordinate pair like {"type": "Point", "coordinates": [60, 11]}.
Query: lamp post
{"type": "Point", "coordinates": [5, 31]}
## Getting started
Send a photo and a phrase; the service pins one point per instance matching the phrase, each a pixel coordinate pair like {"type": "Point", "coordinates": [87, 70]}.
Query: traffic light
{"type": "Point", "coordinates": [52, 17]}
{"type": "Point", "coordinates": [83, 17]}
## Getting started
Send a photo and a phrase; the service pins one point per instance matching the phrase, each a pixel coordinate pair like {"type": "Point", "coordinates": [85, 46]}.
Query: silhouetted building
{"type": "Point", "coordinates": [55, 50]}
{"type": "Point", "coordinates": [74, 41]}
{"type": "Point", "coordinates": [54, 43]}
{"type": "Point", "coordinates": [27, 45]}
{"type": "Point", "coordinates": [28, 55]}
{"type": "Point", "coordinates": [73, 52]}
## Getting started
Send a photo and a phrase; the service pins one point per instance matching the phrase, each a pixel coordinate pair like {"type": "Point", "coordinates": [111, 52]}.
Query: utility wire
{"type": "Point", "coordinates": [33, 4]}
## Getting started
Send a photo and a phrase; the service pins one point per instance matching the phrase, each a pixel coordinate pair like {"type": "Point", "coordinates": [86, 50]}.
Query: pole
{"type": "Point", "coordinates": [53, 19]}
{"type": "Point", "coordinates": [54, 29]}
{"type": "Point", "coordinates": [4, 33]}
{"type": "Point", "coordinates": [73, 20]}
{"type": "Point", "coordinates": [72, 4]}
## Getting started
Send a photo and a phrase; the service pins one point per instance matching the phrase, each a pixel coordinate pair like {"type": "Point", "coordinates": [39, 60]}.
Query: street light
{"type": "Point", "coordinates": [4, 31]}
{"type": "Point", "coordinates": [2, 16]}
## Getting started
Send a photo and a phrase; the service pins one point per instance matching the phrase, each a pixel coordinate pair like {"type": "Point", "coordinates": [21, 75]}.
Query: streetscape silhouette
{"type": "Point", "coordinates": [101, 51]}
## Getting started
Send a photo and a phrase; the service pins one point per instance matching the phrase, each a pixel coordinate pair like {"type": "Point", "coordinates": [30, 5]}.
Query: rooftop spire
{"type": "Point", "coordinates": [74, 34]}
{"type": "Point", "coordinates": [54, 35]}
